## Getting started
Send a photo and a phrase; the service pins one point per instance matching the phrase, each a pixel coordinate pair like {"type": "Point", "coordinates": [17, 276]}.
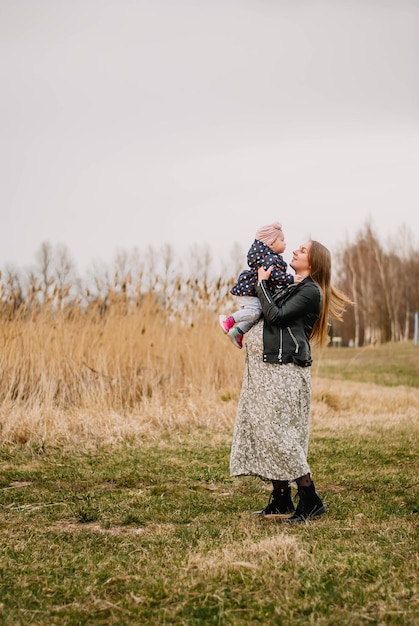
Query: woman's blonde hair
{"type": "Point", "coordinates": [334, 301]}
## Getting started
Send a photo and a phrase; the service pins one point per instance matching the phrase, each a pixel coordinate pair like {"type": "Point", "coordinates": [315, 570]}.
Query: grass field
{"type": "Point", "coordinates": [149, 528]}
{"type": "Point", "coordinates": [391, 364]}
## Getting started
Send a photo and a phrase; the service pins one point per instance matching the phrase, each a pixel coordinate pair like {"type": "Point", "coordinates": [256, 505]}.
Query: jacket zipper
{"type": "Point", "coordinates": [280, 346]}
{"type": "Point", "coordinates": [297, 347]}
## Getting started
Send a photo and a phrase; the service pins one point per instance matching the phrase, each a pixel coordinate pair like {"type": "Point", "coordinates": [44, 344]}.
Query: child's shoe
{"type": "Point", "coordinates": [226, 322]}
{"type": "Point", "coordinates": [236, 336]}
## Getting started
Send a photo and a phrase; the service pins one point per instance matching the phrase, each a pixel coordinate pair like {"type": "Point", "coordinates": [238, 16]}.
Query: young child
{"type": "Point", "coordinates": [266, 250]}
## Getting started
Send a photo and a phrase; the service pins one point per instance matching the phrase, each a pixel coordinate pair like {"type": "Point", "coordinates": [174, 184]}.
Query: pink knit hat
{"type": "Point", "coordinates": [269, 233]}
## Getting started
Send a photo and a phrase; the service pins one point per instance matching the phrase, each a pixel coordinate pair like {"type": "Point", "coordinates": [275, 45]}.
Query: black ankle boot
{"type": "Point", "coordinates": [309, 505]}
{"type": "Point", "coordinates": [280, 503]}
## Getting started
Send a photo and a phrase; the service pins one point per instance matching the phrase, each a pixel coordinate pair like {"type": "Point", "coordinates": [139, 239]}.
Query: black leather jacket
{"type": "Point", "coordinates": [288, 319]}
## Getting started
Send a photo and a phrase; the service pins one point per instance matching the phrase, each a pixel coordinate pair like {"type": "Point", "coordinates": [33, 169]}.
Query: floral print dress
{"type": "Point", "coordinates": [271, 432]}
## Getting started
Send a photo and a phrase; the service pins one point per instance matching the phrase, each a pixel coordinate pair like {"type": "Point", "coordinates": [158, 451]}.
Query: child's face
{"type": "Point", "coordinates": [279, 244]}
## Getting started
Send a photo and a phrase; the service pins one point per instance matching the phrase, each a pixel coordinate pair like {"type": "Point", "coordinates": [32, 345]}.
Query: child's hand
{"type": "Point", "coordinates": [297, 278]}
{"type": "Point", "coordinates": [264, 274]}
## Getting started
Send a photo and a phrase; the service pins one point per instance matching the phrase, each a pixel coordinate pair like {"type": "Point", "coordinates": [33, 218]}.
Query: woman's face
{"type": "Point", "coordinates": [300, 261]}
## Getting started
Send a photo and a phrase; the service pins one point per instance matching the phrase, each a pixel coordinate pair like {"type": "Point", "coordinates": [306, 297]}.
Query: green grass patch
{"type": "Point", "coordinates": [161, 534]}
{"type": "Point", "coordinates": [389, 364]}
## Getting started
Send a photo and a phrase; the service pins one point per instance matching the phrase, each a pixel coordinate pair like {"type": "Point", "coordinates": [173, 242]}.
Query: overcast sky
{"type": "Point", "coordinates": [126, 124]}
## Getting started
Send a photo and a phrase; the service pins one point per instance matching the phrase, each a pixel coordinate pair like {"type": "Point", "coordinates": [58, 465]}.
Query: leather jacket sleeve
{"type": "Point", "coordinates": [300, 299]}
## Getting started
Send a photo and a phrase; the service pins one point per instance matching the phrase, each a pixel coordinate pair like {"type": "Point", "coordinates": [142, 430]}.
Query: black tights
{"type": "Point", "coordinates": [303, 481]}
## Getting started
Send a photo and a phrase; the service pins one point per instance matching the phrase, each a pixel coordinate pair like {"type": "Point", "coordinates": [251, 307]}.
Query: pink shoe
{"type": "Point", "coordinates": [236, 337]}
{"type": "Point", "coordinates": [226, 322]}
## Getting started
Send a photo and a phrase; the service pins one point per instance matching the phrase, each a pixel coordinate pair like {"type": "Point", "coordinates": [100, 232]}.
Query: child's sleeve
{"type": "Point", "coordinates": [255, 256]}
{"type": "Point", "coordinates": [279, 277]}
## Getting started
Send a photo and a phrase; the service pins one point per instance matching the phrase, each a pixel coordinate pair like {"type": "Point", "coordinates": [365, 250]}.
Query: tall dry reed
{"type": "Point", "coordinates": [127, 365]}
{"type": "Point", "coordinates": [68, 372]}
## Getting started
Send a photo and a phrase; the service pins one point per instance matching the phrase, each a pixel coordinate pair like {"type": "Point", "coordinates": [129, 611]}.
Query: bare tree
{"type": "Point", "coordinates": [238, 259]}
{"type": "Point", "coordinates": [168, 258]}
{"type": "Point", "coordinates": [406, 275]}
{"type": "Point", "coordinates": [199, 262]}
{"type": "Point", "coordinates": [65, 274]}
{"type": "Point", "coordinates": [44, 259]}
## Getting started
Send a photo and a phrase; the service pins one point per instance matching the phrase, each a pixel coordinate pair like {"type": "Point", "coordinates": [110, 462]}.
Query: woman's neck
{"type": "Point", "coordinates": [304, 274]}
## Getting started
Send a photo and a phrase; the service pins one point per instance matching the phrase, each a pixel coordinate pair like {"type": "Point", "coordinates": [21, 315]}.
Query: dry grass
{"type": "Point", "coordinates": [144, 371]}
{"type": "Point", "coordinates": [107, 378]}
{"type": "Point", "coordinates": [336, 406]}
{"type": "Point", "coordinates": [260, 556]}
{"type": "Point", "coordinates": [339, 405]}
{"type": "Point", "coordinates": [101, 427]}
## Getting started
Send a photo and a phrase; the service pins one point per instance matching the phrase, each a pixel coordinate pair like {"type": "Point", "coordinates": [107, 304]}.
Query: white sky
{"type": "Point", "coordinates": [129, 123]}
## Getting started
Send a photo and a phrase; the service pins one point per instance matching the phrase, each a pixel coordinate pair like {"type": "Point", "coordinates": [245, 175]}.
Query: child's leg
{"type": "Point", "coordinates": [243, 327]}
{"type": "Point", "coordinates": [248, 312]}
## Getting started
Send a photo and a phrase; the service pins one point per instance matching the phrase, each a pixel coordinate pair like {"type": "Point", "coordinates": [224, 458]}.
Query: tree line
{"type": "Point", "coordinates": [383, 283]}
{"type": "Point", "coordinates": [384, 286]}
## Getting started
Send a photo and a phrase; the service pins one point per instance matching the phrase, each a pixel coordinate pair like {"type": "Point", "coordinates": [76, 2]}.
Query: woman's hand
{"type": "Point", "coordinates": [264, 274]}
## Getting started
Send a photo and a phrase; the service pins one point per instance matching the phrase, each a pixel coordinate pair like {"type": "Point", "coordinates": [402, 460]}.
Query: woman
{"type": "Point", "coordinates": [272, 427]}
